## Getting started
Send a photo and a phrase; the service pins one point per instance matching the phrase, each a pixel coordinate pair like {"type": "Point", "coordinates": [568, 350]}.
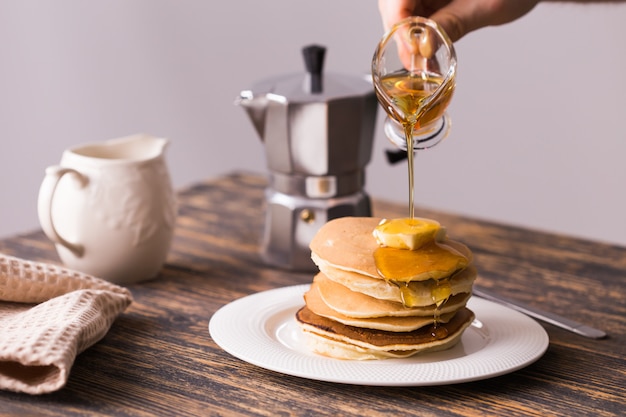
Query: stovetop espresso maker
{"type": "Point", "coordinates": [318, 131]}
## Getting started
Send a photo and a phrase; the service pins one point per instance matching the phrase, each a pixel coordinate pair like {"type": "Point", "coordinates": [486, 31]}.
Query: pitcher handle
{"type": "Point", "coordinates": [44, 205]}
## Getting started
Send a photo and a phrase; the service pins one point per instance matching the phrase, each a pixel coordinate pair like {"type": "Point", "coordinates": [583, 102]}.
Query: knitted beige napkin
{"type": "Point", "coordinates": [48, 315]}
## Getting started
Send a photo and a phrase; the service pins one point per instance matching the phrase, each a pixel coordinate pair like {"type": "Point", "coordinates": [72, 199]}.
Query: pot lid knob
{"type": "Point", "coordinates": [314, 62]}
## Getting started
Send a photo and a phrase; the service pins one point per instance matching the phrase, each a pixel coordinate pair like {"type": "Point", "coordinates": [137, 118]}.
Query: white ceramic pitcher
{"type": "Point", "coordinates": [110, 208]}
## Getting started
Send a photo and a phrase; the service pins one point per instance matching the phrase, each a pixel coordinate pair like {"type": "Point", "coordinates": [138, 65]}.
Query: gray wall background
{"type": "Point", "coordinates": [538, 118]}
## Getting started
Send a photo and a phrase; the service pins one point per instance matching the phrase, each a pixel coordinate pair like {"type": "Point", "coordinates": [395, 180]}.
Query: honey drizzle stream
{"type": "Point", "coordinates": [437, 331]}
{"type": "Point", "coordinates": [410, 154]}
{"type": "Point", "coordinates": [442, 288]}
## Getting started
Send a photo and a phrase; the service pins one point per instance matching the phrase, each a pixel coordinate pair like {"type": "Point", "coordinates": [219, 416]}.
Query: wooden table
{"type": "Point", "coordinates": [159, 359]}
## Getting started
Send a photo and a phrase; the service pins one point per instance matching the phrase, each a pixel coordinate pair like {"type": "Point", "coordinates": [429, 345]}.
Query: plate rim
{"type": "Point", "coordinates": [290, 296]}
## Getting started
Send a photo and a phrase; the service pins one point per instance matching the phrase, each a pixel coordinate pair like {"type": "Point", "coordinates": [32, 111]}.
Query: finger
{"type": "Point", "coordinates": [461, 17]}
{"type": "Point", "coordinates": [392, 11]}
{"type": "Point", "coordinates": [453, 23]}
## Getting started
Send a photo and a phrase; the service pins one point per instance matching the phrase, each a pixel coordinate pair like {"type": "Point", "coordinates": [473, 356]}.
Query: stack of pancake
{"type": "Point", "coordinates": [371, 301]}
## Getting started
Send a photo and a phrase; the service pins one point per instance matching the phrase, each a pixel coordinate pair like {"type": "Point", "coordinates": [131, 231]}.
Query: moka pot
{"type": "Point", "coordinates": [318, 133]}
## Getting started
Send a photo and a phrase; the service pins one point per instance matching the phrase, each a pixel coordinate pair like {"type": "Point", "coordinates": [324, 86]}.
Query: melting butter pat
{"type": "Point", "coordinates": [408, 233]}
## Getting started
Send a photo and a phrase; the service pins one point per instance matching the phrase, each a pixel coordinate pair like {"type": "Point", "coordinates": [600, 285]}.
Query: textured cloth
{"type": "Point", "coordinates": [48, 315]}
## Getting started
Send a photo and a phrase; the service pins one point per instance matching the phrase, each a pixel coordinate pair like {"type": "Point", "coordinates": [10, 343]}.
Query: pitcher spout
{"type": "Point", "coordinates": [138, 147]}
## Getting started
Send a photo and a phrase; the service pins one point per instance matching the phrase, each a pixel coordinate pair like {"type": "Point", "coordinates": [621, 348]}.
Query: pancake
{"type": "Point", "coordinates": [316, 304]}
{"type": "Point", "coordinates": [358, 305]}
{"type": "Point", "coordinates": [386, 295]}
{"type": "Point", "coordinates": [419, 292]}
{"type": "Point", "coordinates": [341, 350]}
{"type": "Point", "coordinates": [348, 243]}
{"type": "Point", "coordinates": [331, 338]}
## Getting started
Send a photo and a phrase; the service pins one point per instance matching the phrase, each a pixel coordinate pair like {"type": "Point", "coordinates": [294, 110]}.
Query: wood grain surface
{"type": "Point", "coordinates": [158, 359]}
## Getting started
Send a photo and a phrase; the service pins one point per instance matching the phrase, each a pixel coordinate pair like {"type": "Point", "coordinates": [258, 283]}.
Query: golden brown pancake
{"type": "Point", "coordinates": [358, 305]}
{"type": "Point", "coordinates": [348, 342]}
{"type": "Point", "coordinates": [419, 292]}
{"type": "Point", "coordinates": [348, 243]}
{"type": "Point", "coordinates": [316, 304]}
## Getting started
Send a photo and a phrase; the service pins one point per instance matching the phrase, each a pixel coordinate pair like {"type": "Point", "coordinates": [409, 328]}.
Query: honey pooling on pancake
{"type": "Point", "coordinates": [440, 294]}
{"type": "Point", "coordinates": [402, 265]}
{"type": "Point", "coordinates": [408, 249]}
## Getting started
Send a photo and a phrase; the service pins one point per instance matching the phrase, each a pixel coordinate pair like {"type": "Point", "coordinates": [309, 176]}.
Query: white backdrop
{"type": "Point", "coordinates": [538, 136]}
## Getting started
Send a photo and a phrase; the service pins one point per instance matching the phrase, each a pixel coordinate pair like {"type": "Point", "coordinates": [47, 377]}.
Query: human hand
{"type": "Point", "coordinates": [456, 17]}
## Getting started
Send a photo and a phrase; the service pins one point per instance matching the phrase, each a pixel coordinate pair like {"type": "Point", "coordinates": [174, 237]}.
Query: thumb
{"type": "Point", "coordinates": [459, 18]}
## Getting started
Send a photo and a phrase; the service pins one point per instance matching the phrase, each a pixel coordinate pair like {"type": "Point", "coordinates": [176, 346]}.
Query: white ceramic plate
{"type": "Point", "coordinates": [261, 329]}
